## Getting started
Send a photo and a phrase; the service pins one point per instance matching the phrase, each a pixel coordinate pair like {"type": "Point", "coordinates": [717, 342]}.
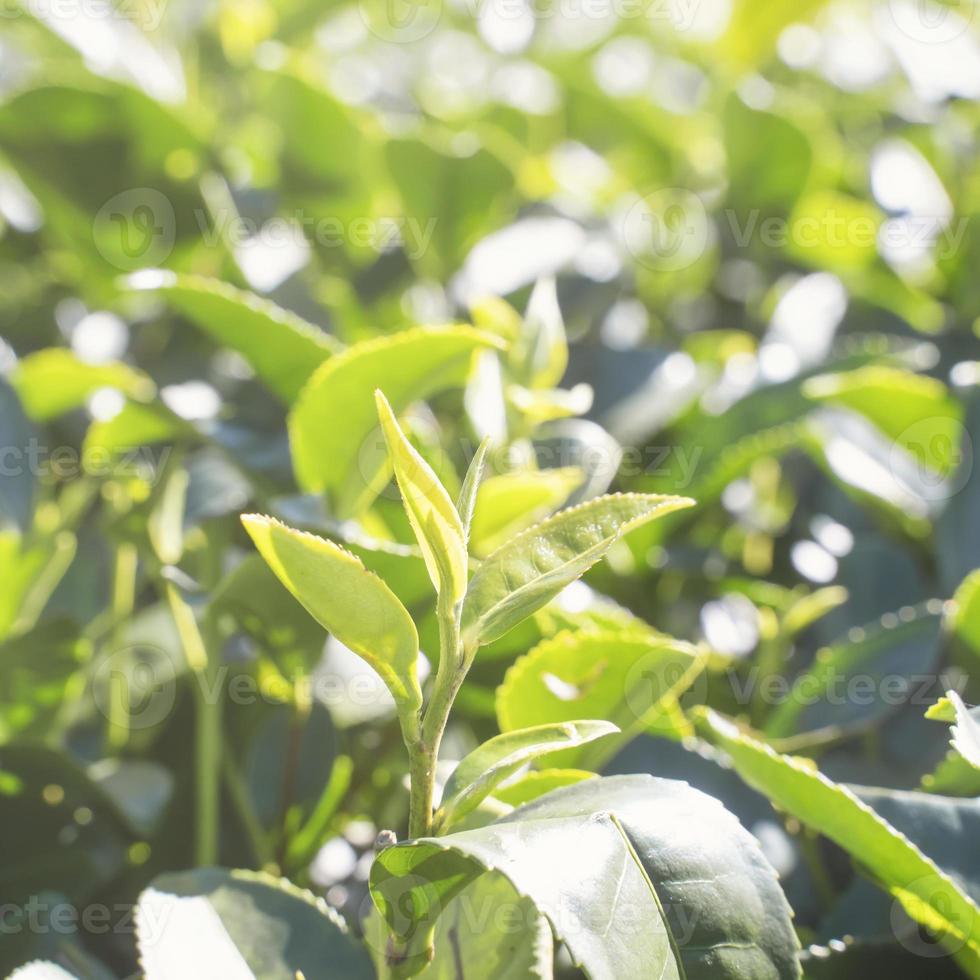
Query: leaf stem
{"type": "Point", "coordinates": [206, 672]}
{"type": "Point", "coordinates": [424, 753]}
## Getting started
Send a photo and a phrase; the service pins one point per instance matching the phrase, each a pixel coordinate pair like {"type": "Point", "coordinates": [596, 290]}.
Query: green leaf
{"type": "Point", "coordinates": [134, 426]}
{"type": "Point", "coordinates": [283, 349]}
{"type": "Point", "coordinates": [526, 572]}
{"type": "Point", "coordinates": [539, 355]}
{"type": "Point", "coordinates": [511, 502]}
{"type": "Point", "coordinates": [639, 877]}
{"type": "Point", "coordinates": [54, 381]}
{"type": "Point", "coordinates": [468, 492]}
{"type": "Point", "coordinates": [431, 513]}
{"type": "Point", "coordinates": [622, 676]}
{"type": "Point", "coordinates": [966, 728]}
{"type": "Point", "coordinates": [769, 160]}
{"type": "Point", "coordinates": [965, 617]}
{"type": "Point", "coordinates": [795, 785]}
{"type": "Point", "coordinates": [238, 924]}
{"type": "Point", "coordinates": [333, 425]}
{"type": "Point", "coordinates": [494, 933]}
{"type": "Point", "coordinates": [346, 599]}
{"type": "Point", "coordinates": [537, 783]}
{"type": "Point", "coordinates": [915, 411]}
{"type": "Point", "coordinates": [476, 776]}
{"type": "Point", "coordinates": [886, 655]}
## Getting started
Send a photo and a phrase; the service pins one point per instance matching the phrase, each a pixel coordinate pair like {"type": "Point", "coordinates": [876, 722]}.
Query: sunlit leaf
{"type": "Point", "coordinates": [702, 901]}
{"type": "Point", "coordinates": [54, 381]}
{"type": "Point", "coordinates": [500, 757]}
{"type": "Point", "coordinates": [346, 599]}
{"type": "Point", "coordinates": [523, 574]}
{"type": "Point", "coordinates": [239, 924]}
{"type": "Point", "coordinates": [438, 528]}
{"type": "Point", "coordinates": [795, 785]}
{"type": "Point", "coordinates": [333, 427]}
{"type": "Point", "coordinates": [282, 348]}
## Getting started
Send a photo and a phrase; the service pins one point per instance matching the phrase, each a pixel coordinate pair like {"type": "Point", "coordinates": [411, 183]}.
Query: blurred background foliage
{"type": "Point", "coordinates": [763, 220]}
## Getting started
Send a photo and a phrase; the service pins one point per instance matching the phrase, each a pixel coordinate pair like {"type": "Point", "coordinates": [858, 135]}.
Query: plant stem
{"type": "Point", "coordinates": [123, 602]}
{"type": "Point", "coordinates": [424, 752]}
{"type": "Point", "coordinates": [205, 671]}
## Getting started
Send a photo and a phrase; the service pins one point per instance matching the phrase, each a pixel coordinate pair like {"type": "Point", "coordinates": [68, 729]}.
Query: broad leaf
{"type": "Point", "coordinates": [346, 599]}
{"type": "Point", "coordinates": [927, 893]}
{"type": "Point", "coordinates": [640, 877]}
{"type": "Point", "coordinates": [509, 503]}
{"type": "Point", "coordinates": [281, 347]}
{"type": "Point", "coordinates": [54, 381]}
{"type": "Point", "coordinates": [619, 675]}
{"type": "Point", "coordinates": [431, 513]}
{"type": "Point", "coordinates": [333, 425]}
{"type": "Point", "coordinates": [477, 776]}
{"type": "Point", "coordinates": [526, 572]}
{"type": "Point", "coordinates": [241, 925]}
{"type": "Point", "coordinates": [495, 933]}
{"type": "Point", "coordinates": [917, 412]}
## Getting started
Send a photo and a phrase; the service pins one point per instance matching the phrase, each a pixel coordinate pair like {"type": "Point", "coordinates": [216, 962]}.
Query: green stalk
{"type": "Point", "coordinates": [207, 748]}
{"type": "Point", "coordinates": [123, 602]}
{"type": "Point", "coordinates": [424, 754]}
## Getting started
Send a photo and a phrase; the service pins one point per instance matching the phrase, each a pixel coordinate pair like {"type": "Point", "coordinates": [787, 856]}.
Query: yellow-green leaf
{"type": "Point", "coordinates": [500, 757]}
{"type": "Point", "coordinates": [54, 381]}
{"type": "Point", "coordinates": [333, 427]}
{"type": "Point", "coordinates": [431, 513]}
{"type": "Point", "coordinates": [346, 599]}
{"type": "Point", "coordinates": [510, 502]}
{"type": "Point", "coordinates": [532, 568]}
